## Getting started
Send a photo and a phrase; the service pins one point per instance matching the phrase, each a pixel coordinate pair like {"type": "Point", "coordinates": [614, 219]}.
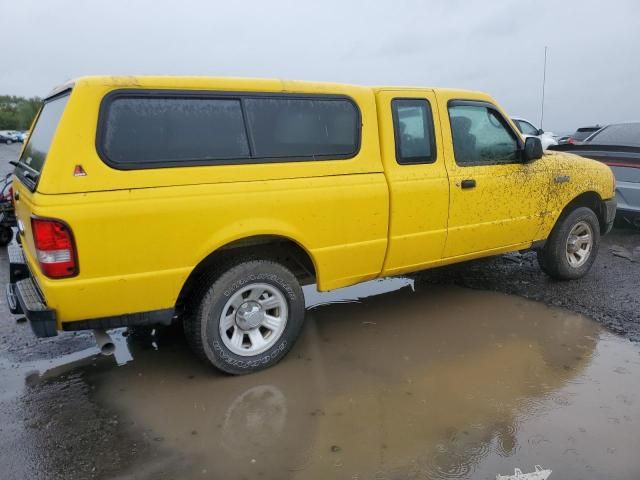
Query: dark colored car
{"type": "Point", "coordinates": [617, 145]}
{"type": "Point", "coordinates": [579, 136]}
{"type": "Point", "coordinates": [6, 139]}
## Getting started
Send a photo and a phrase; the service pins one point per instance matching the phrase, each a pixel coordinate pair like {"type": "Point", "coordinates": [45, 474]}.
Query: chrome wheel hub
{"type": "Point", "coordinates": [253, 319]}
{"type": "Point", "coordinates": [249, 315]}
{"type": "Point", "coordinates": [579, 244]}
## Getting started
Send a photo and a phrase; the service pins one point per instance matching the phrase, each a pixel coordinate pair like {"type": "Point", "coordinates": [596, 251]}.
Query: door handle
{"type": "Point", "coordinates": [468, 183]}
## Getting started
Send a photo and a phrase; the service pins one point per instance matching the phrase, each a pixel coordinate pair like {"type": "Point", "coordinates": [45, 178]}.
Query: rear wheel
{"type": "Point", "coordinates": [572, 246]}
{"type": "Point", "coordinates": [6, 235]}
{"type": "Point", "coordinates": [246, 317]}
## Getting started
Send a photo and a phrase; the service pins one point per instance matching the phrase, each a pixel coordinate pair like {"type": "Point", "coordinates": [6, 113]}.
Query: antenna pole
{"type": "Point", "coordinates": [544, 81]}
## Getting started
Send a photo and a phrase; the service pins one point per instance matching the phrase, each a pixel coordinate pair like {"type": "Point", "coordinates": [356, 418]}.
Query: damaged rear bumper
{"type": "Point", "coordinates": [24, 297]}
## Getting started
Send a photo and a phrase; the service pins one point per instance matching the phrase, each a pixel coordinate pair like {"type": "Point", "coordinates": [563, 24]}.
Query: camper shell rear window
{"type": "Point", "coordinates": [140, 129]}
{"type": "Point", "coordinates": [35, 151]}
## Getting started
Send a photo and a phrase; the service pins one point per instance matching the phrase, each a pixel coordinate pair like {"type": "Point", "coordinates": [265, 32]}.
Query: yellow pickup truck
{"type": "Point", "coordinates": [149, 200]}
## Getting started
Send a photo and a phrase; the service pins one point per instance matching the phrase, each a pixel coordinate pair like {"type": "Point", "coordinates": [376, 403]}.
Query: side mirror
{"type": "Point", "coordinates": [540, 131]}
{"type": "Point", "coordinates": [532, 149]}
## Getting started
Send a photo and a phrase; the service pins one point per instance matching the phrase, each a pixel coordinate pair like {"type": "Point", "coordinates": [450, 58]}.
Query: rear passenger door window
{"type": "Point", "coordinates": [413, 131]}
{"type": "Point", "coordinates": [481, 136]}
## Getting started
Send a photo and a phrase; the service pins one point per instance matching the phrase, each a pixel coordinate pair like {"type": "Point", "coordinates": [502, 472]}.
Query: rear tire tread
{"type": "Point", "coordinates": [204, 295]}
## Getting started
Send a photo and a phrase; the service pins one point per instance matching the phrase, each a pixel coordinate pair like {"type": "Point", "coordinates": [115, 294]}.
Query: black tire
{"type": "Point", "coordinates": [553, 256]}
{"type": "Point", "coordinates": [204, 311]}
{"type": "Point", "coordinates": [9, 142]}
{"type": "Point", "coordinates": [6, 235]}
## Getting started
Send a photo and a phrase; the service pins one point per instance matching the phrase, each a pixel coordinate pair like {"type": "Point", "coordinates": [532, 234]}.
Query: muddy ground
{"type": "Point", "coordinates": [401, 378]}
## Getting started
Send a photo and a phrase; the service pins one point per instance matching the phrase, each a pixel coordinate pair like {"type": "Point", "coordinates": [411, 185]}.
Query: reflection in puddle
{"type": "Point", "coordinates": [41, 370]}
{"type": "Point", "coordinates": [432, 383]}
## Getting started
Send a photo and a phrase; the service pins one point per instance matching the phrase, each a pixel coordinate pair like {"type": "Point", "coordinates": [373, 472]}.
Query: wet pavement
{"type": "Point", "coordinates": [414, 382]}
{"type": "Point", "coordinates": [392, 379]}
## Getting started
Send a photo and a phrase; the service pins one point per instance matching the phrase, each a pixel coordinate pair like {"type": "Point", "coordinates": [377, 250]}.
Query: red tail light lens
{"type": "Point", "coordinates": [55, 248]}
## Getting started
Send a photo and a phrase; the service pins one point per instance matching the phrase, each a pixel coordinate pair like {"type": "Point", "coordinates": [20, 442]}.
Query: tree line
{"type": "Point", "coordinates": [17, 113]}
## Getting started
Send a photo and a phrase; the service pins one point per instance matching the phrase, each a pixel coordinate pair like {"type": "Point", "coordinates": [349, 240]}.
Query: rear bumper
{"type": "Point", "coordinates": [23, 296]}
{"type": "Point", "coordinates": [609, 214]}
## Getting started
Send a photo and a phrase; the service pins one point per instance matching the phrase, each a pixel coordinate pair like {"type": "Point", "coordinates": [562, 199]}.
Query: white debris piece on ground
{"type": "Point", "coordinates": [622, 252]}
{"type": "Point", "coordinates": [539, 474]}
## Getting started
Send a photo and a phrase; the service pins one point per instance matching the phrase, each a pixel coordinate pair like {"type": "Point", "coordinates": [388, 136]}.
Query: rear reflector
{"type": "Point", "coordinates": [55, 248]}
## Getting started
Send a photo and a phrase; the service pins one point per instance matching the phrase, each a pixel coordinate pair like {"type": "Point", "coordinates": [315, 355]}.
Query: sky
{"type": "Point", "coordinates": [497, 46]}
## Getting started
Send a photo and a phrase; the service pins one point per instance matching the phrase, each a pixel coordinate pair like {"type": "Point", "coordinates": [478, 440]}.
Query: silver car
{"type": "Point", "coordinates": [617, 145]}
{"type": "Point", "coordinates": [625, 163]}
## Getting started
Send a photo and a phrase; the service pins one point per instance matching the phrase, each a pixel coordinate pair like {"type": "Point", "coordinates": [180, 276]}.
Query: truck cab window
{"type": "Point", "coordinates": [413, 130]}
{"type": "Point", "coordinates": [480, 136]}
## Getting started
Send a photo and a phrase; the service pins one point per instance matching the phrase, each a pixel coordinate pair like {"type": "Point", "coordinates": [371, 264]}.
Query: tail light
{"type": "Point", "coordinates": [571, 141]}
{"type": "Point", "coordinates": [55, 247]}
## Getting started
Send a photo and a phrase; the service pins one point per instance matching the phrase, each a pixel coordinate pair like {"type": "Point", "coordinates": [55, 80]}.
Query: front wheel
{"type": "Point", "coordinates": [572, 246]}
{"type": "Point", "coordinates": [247, 317]}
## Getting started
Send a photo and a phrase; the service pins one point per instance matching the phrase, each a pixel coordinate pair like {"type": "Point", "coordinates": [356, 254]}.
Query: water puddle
{"type": "Point", "coordinates": [393, 379]}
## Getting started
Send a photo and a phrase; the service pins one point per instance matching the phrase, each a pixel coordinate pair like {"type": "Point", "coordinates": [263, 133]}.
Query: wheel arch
{"type": "Point", "coordinates": [591, 200]}
{"type": "Point", "coordinates": [291, 253]}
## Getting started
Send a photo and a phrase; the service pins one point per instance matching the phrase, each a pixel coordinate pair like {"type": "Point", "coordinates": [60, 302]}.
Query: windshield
{"type": "Point", "coordinates": [621, 134]}
{"type": "Point", "coordinates": [35, 152]}
{"type": "Point", "coordinates": [526, 128]}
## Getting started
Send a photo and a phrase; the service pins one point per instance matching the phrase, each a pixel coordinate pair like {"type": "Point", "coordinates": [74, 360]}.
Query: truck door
{"type": "Point", "coordinates": [413, 158]}
{"type": "Point", "coordinates": [496, 200]}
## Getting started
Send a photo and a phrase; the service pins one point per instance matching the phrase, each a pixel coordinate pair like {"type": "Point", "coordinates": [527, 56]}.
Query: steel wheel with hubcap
{"type": "Point", "coordinates": [579, 244]}
{"type": "Point", "coordinates": [247, 317]}
{"type": "Point", "coordinates": [572, 245]}
{"type": "Point", "coordinates": [253, 319]}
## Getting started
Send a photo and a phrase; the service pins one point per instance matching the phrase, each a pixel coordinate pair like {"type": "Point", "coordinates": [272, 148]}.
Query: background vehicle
{"type": "Point", "coordinates": [617, 145]}
{"type": "Point", "coordinates": [213, 200]}
{"type": "Point", "coordinates": [579, 136]}
{"type": "Point", "coordinates": [6, 139]}
{"type": "Point", "coordinates": [529, 130]}
{"type": "Point", "coordinates": [12, 135]}
{"type": "Point", "coordinates": [7, 212]}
